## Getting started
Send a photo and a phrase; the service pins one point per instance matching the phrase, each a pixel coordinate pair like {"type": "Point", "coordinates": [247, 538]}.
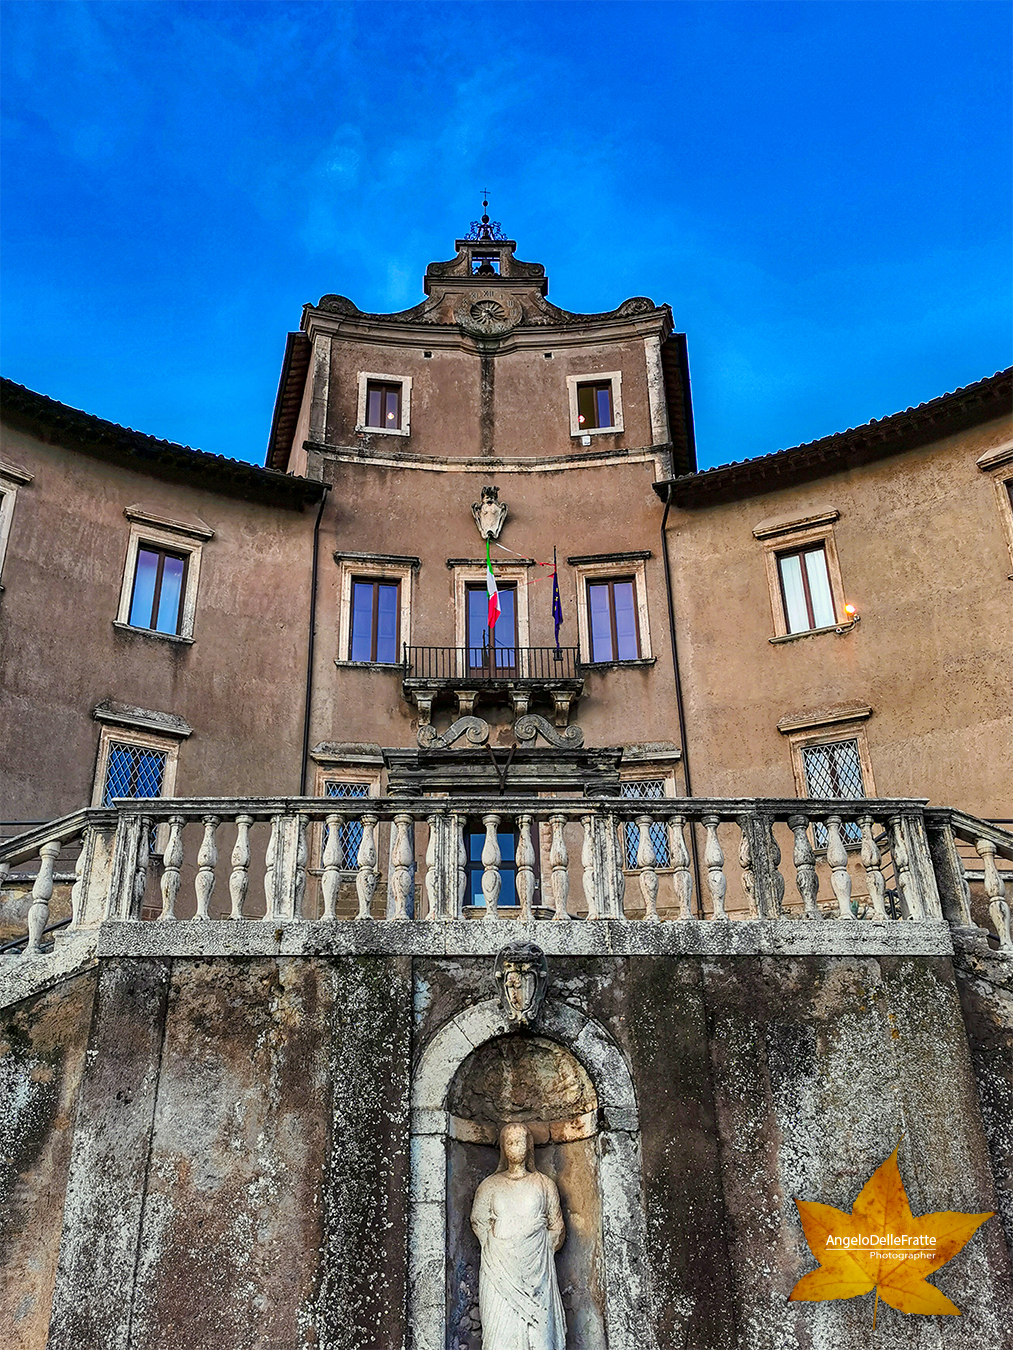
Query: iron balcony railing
{"type": "Point", "coordinates": [498, 663]}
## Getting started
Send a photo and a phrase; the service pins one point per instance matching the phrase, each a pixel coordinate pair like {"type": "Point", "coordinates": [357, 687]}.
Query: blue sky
{"type": "Point", "coordinates": [821, 191]}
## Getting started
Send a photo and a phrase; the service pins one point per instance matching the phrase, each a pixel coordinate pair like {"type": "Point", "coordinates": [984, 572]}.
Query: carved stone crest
{"type": "Point", "coordinates": [489, 513]}
{"type": "Point", "coordinates": [522, 974]}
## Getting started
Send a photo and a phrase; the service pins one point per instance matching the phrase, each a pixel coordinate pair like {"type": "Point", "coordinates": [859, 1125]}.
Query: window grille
{"type": "Point", "coordinates": [649, 789]}
{"type": "Point", "coordinates": [834, 770]}
{"type": "Point", "coordinates": [133, 772]}
{"type": "Point", "coordinates": [349, 834]}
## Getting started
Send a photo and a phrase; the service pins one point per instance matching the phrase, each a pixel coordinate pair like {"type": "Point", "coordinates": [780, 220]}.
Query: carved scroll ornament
{"type": "Point", "coordinates": [530, 726]}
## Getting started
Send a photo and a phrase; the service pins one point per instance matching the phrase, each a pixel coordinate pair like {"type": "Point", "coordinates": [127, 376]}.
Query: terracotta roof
{"type": "Point", "coordinates": [288, 400]}
{"type": "Point", "coordinates": [58, 424]}
{"type": "Point", "coordinates": [967, 407]}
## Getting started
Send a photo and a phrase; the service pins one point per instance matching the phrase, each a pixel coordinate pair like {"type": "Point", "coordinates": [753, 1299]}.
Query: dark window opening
{"type": "Point", "coordinates": [383, 405]}
{"type": "Point", "coordinates": [594, 406]}
{"type": "Point", "coordinates": [485, 264]}
{"type": "Point", "coordinates": [375, 621]}
{"type": "Point", "coordinates": [499, 657]}
{"type": "Point", "coordinates": [159, 583]}
{"type": "Point", "coordinates": [613, 620]}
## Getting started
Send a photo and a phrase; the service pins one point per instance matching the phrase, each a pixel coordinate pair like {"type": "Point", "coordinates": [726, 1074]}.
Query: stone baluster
{"type": "Point", "coordinates": [995, 891]}
{"type": "Point", "coordinates": [682, 876]}
{"type": "Point", "coordinates": [436, 878]}
{"type": "Point", "coordinates": [460, 826]}
{"type": "Point", "coordinates": [590, 863]}
{"type": "Point", "coordinates": [141, 867]}
{"type": "Point", "coordinates": [42, 893]}
{"type": "Point", "coordinates": [402, 857]}
{"type": "Point", "coordinates": [714, 861]}
{"type": "Point", "coordinates": [77, 891]}
{"type": "Point", "coordinates": [172, 861]}
{"type": "Point", "coordinates": [525, 868]}
{"type": "Point", "coordinates": [491, 858]}
{"type": "Point", "coordinates": [239, 878]}
{"type": "Point", "coordinates": [647, 860]}
{"type": "Point", "coordinates": [746, 864]}
{"type": "Point", "coordinates": [271, 859]}
{"type": "Point", "coordinates": [302, 857]}
{"type": "Point", "coordinates": [804, 860]}
{"type": "Point", "coordinates": [330, 880]}
{"type": "Point", "coordinates": [873, 873]}
{"type": "Point", "coordinates": [559, 861]}
{"type": "Point", "coordinates": [902, 865]}
{"type": "Point", "coordinates": [615, 856]}
{"type": "Point", "coordinates": [776, 879]}
{"type": "Point", "coordinates": [837, 859]}
{"type": "Point", "coordinates": [207, 860]}
{"type": "Point", "coordinates": [365, 882]}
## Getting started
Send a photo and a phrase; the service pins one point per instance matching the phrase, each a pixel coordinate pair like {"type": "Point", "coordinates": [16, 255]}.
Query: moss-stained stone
{"type": "Point", "coordinates": [42, 1053]}
{"type": "Point", "coordinates": [364, 1258]}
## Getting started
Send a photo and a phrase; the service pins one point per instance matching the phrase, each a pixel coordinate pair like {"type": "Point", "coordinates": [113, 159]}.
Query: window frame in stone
{"type": "Point", "coordinates": [608, 584]}
{"type": "Point", "coordinates": [793, 537]}
{"type": "Point", "coordinates": [614, 379]}
{"type": "Point", "coordinates": [613, 567]}
{"type": "Point", "coordinates": [11, 479]}
{"type": "Point", "coordinates": [803, 553]}
{"type": "Point", "coordinates": [171, 538]}
{"type": "Point", "coordinates": [374, 583]}
{"type": "Point", "coordinates": [115, 735]}
{"type": "Point", "coordinates": [366, 378]}
{"type": "Point", "coordinates": [997, 464]}
{"type": "Point", "coordinates": [376, 567]}
{"type": "Point", "coordinates": [814, 733]}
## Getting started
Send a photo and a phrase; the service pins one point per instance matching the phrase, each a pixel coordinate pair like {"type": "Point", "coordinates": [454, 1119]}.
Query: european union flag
{"type": "Point", "coordinates": [557, 607]}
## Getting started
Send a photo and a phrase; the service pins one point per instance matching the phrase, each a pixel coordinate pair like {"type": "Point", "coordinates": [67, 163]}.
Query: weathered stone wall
{"type": "Point", "coordinates": [239, 1176]}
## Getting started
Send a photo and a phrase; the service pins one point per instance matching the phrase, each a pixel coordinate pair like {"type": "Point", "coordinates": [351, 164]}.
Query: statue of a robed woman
{"type": "Point", "coordinates": [518, 1221]}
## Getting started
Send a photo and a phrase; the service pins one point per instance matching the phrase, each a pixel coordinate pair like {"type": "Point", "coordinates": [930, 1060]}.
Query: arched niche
{"type": "Point", "coordinates": [596, 1154]}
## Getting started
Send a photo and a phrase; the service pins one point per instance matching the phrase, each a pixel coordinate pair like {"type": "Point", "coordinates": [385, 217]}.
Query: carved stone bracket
{"type": "Point", "coordinates": [530, 726]}
{"type": "Point", "coordinates": [473, 729]}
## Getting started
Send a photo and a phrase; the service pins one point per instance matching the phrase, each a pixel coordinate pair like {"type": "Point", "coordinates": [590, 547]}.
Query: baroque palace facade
{"type": "Point", "coordinates": [275, 796]}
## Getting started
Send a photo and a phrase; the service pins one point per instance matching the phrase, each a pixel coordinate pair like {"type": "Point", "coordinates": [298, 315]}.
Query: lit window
{"type": "Point", "coordinates": [133, 771]}
{"type": "Point", "coordinates": [375, 615]}
{"type": "Point", "coordinates": [383, 405]}
{"type": "Point", "coordinates": [612, 620]}
{"type": "Point", "coordinates": [805, 589]}
{"type": "Point", "coordinates": [594, 406]}
{"type": "Point", "coordinates": [159, 585]}
{"type": "Point", "coordinates": [649, 789]}
{"type": "Point", "coordinates": [834, 770]}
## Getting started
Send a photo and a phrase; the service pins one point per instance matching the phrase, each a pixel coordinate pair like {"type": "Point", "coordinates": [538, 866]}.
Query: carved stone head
{"type": "Point", "coordinates": [521, 973]}
{"type": "Point", "coordinates": [489, 513]}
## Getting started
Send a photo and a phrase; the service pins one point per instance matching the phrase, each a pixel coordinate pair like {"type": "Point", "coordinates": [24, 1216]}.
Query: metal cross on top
{"type": "Point", "coordinates": [485, 228]}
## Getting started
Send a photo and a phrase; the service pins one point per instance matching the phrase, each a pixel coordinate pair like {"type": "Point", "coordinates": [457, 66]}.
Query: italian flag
{"type": "Point", "coordinates": [491, 587]}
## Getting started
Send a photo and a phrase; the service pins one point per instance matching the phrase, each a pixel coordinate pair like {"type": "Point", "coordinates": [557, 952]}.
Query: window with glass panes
{"type": "Point", "coordinates": [594, 406]}
{"type": "Point", "coordinates": [375, 618]}
{"type": "Point", "coordinates": [133, 771]}
{"type": "Point", "coordinates": [648, 789]}
{"type": "Point", "coordinates": [349, 834]}
{"type": "Point", "coordinates": [159, 584]}
{"type": "Point", "coordinates": [613, 624]}
{"type": "Point", "coordinates": [504, 638]}
{"type": "Point", "coordinates": [834, 770]}
{"type": "Point", "coordinates": [474, 870]}
{"type": "Point", "coordinates": [383, 405]}
{"type": "Point", "coordinates": [805, 589]}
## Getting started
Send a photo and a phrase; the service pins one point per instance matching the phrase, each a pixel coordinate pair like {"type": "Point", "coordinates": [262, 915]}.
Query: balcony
{"type": "Point", "coordinates": [514, 675]}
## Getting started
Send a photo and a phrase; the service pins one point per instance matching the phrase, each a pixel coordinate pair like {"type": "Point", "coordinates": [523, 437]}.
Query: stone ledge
{"type": "Point", "coordinates": [253, 938]}
{"type": "Point", "coordinates": [23, 977]}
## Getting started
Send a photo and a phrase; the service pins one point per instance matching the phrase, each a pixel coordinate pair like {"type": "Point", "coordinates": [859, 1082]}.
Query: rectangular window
{"type": "Point", "coordinates": [594, 406]}
{"type": "Point", "coordinates": [805, 589]}
{"type": "Point", "coordinates": [156, 601]}
{"type": "Point", "coordinates": [350, 834]}
{"type": "Point", "coordinates": [133, 771]}
{"type": "Point", "coordinates": [507, 869]}
{"type": "Point", "coordinates": [383, 405]}
{"type": "Point", "coordinates": [612, 620]}
{"type": "Point", "coordinates": [480, 658]}
{"type": "Point", "coordinates": [650, 789]}
{"type": "Point", "coordinates": [834, 770]}
{"type": "Point", "coordinates": [375, 621]}
{"type": "Point", "coordinates": [485, 262]}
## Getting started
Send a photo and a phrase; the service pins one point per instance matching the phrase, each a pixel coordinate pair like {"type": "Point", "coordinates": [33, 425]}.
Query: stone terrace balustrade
{"type": "Point", "coordinates": [576, 859]}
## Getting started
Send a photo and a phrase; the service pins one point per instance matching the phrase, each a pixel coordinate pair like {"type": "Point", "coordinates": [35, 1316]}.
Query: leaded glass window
{"type": "Point", "coordinates": [648, 789]}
